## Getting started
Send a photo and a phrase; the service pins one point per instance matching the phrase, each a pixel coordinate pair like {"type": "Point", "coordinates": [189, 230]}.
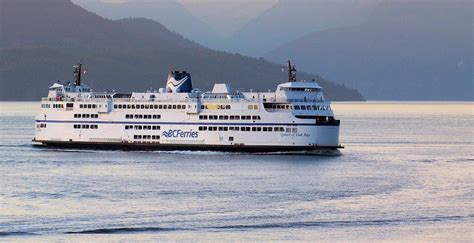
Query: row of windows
{"type": "Point", "coordinates": [312, 107]}
{"type": "Point", "coordinates": [85, 126]}
{"type": "Point", "coordinates": [299, 89]}
{"type": "Point", "coordinates": [86, 115]}
{"type": "Point", "coordinates": [225, 117]}
{"type": "Point", "coordinates": [215, 107]}
{"type": "Point", "coordinates": [139, 127]}
{"type": "Point", "coordinates": [299, 107]}
{"type": "Point", "coordinates": [247, 129]}
{"type": "Point", "coordinates": [140, 116]}
{"type": "Point", "coordinates": [152, 137]}
{"type": "Point", "coordinates": [59, 106]}
{"type": "Point", "coordinates": [156, 107]}
{"type": "Point", "coordinates": [87, 106]}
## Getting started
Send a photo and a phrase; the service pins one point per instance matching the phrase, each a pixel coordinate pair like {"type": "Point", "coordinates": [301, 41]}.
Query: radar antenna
{"type": "Point", "coordinates": [291, 72]}
{"type": "Point", "coordinates": [77, 74]}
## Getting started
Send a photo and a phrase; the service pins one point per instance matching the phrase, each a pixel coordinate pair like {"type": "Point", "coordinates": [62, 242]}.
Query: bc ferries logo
{"type": "Point", "coordinates": [175, 82]}
{"type": "Point", "coordinates": [178, 133]}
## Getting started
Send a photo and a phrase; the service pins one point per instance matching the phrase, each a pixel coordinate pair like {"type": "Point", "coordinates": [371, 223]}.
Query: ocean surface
{"type": "Point", "coordinates": [406, 174]}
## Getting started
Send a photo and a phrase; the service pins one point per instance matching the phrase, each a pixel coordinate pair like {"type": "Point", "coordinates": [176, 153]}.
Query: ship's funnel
{"type": "Point", "coordinates": [179, 82]}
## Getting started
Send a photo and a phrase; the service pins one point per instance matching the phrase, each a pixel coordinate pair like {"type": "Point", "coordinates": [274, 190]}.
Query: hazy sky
{"type": "Point", "coordinates": [225, 16]}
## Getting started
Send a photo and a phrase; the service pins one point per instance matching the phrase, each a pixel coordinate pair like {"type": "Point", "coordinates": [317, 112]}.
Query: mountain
{"type": "Point", "coordinates": [226, 17]}
{"type": "Point", "coordinates": [170, 13]}
{"type": "Point", "coordinates": [41, 40]}
{"type": "Point", "coordinates": [288, 20]}
{"type": "Point", "coordinates": [406, 50]}
{"type": "Point", "coordinates": [61, 24]}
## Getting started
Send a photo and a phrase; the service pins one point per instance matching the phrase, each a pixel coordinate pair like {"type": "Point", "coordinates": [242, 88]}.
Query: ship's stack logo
{"type": "Point", "coordinates": [178, 133]}
{"type": "Point", "coordinates": [179, 82]}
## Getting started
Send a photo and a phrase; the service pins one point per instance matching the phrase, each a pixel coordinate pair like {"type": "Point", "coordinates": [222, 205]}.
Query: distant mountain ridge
{"type": "Point", "coordinates": [170, 13]}
{"type": "Point", "coordinates": [290, 19]}
{"type": "Point", "coordinates": [406, 50]}
{"type": "Point", "coordinates": [41, 40]}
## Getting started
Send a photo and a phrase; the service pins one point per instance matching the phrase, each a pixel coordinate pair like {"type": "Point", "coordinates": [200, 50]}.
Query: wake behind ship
{"type": "Point", "coordinates": [295, 117]}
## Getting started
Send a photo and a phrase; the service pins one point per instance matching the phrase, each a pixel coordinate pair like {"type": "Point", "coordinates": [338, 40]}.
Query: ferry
{"type": "Point", "coordinates": [296, 117]}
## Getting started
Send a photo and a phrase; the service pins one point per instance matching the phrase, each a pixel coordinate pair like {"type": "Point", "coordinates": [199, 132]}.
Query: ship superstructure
{"type": "Point", "coordinates": [295, 117]}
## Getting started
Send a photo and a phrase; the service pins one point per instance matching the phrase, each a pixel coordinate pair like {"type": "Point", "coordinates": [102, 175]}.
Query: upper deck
{"type": "Point", "coordinates": [299, 97]}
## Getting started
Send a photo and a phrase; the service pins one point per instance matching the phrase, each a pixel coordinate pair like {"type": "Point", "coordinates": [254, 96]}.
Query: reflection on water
{"type": "Point", "coordinates": [405, 174]}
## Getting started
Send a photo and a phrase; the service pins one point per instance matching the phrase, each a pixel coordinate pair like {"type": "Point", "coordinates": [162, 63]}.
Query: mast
{"type": "Point", "coordinates": [291, 72]}
{"type": "Point", "coordinates": [77, 74]}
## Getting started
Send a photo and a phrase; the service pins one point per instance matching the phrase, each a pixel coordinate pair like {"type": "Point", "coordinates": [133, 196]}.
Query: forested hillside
{"type": "Point", "coordinates": [41, 40]}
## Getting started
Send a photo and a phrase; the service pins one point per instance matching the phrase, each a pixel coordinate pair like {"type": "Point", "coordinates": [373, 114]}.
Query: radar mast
{"type": "Point", "coordinates": [77, 74]}
{"type": "Point", "coordinates": [291, 72]}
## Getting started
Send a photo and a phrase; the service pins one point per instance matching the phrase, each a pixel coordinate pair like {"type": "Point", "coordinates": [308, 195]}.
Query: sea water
{"type": "Point", "coordinates": [406, 173]}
